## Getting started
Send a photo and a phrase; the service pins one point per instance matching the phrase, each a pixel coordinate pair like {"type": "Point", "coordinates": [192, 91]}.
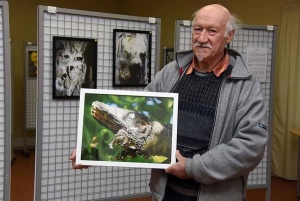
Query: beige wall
{"type": "Point", "coordinates": [23, 18]}
{"type": "Point", "coordinates": [254, 12]}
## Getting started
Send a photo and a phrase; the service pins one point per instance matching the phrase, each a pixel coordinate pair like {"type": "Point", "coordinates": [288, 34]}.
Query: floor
{"type": "Point", "coordinates": [22, 187]}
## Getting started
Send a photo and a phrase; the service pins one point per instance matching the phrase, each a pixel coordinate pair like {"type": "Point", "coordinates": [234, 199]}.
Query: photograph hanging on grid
{"type": "Point", "coordinates": [74, 66]}
{"type": "Point", "coordinates": [32, 63]}
{"type": "Point", "coordinates": [131, 58]}
{"type": "Point", "coordinates": [125, 128]}
{"type": "Point", "coordinates": [168, 55]}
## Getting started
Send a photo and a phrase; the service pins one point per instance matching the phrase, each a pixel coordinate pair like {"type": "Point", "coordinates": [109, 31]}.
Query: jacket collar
{"type": "Point", "coordinates": [239, 70]}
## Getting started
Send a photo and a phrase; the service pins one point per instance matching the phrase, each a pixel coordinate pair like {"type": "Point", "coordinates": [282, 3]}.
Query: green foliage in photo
{"type": "Point", "coordinates": [96, 138]}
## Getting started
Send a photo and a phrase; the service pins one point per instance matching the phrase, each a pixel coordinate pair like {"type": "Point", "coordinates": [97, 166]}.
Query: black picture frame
{"type": "Point", "coordinates": [168, 55]}
{"type": "Point", "coordinates": [131, 58]}
{"type": "Point", "coordinates": [74, 66]}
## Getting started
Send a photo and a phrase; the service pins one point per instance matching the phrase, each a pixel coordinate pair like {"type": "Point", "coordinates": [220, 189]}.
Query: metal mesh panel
{"type": "Point", "coordinates": [243, 38]}
{"type": "Point", "coordinates": [31, 88]}
{"type": "Point", "coordinates": [185, 39]}
{"type": "Point", "coordinates": [257, 38]}
{"type": "Point", "coordinates": [2, 108]}
{"type": "Point", "coordinates": [59, 125]}
{"type": "Point", "coordinates": [5, 103]}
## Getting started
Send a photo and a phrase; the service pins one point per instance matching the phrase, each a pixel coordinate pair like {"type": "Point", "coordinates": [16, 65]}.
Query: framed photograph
{"type": "Point", "coordinates": [168, 55]}
{"type": "Point", "coordinates": [74, 66]}
{"type": "Point", "coordinates": [32, 63]}
{"type": "Point", "coordinates": [131, 58]}
{"type": "Point", "coordinates": [127, 128]}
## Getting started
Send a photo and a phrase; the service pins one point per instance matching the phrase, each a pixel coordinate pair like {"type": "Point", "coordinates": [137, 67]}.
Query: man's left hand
{"type": "Point", "coordinates": [178, 169]}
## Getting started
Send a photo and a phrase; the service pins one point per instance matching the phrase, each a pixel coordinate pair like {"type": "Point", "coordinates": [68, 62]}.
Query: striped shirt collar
{"type": "Point", "coordinates": [218, 70]}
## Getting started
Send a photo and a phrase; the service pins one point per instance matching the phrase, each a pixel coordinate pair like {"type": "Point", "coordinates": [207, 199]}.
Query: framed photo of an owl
{"type": "Point", "coordinates": [74, 66]}
{"type": "Point", "coordinates": [127, 128]}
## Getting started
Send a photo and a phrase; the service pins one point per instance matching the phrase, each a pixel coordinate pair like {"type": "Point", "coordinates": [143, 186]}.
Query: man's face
{"type": "Point", "coordinates": [208, 34]}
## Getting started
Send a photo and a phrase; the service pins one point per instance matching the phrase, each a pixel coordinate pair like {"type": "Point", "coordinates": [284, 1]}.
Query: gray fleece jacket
{"type": "Point", "coordinates": [239, 135]}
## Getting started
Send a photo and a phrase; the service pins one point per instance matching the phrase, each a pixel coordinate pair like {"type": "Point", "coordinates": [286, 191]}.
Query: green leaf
{"type": "Point", "coordinates": [138, 159]}
{"type": "Point", "coordinates": [159, 159]}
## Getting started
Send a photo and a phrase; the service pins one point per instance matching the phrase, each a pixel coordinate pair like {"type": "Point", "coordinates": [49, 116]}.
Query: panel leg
{"type": "Point", "coordinates": [25, 153]}
{"type": "Point", "coordinates": [298, 170]}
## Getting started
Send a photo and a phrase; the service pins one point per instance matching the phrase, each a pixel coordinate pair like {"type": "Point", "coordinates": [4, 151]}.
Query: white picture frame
{"type": "Point", "coordinates": [127, 128]}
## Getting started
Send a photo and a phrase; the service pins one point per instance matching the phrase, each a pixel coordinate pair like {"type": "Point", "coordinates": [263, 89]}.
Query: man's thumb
{"type": "Point", "coordinates": [178, 155]}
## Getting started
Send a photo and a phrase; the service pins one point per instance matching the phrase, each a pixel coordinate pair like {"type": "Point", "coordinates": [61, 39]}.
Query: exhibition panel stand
{"type": "Point", "coordinates": [5, 103]}
{"type": "Point", "coordinates": [57, 110]}
{"type": "Point", "coordinates": [30, 79]}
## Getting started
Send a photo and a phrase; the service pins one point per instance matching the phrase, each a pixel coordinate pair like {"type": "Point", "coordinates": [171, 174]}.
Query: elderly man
{"type": "Point", "coordinates": [221, 116]}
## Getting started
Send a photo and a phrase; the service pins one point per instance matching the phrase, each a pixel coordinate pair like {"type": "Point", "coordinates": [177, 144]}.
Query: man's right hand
{"type": "Point", "coordinates": [73, 159]}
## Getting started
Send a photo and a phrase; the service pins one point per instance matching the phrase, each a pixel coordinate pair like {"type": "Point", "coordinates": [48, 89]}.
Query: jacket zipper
{"type": "Point", "coordinates": [243, 186]}
{"type": "Point", "coordinates": [165, 185]}
{"type": "Point", "coordinates": [199, 193]}
{"type": "Point", "coordinates": [242, 178]}
{"type": "Point", "coordinates": [217, 106]}
{"type": "Point", "coordinates": [181, 74]}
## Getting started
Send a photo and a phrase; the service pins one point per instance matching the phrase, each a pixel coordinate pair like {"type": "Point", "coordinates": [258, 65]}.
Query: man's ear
{"type": "Point", "coordinates": [230, 36]}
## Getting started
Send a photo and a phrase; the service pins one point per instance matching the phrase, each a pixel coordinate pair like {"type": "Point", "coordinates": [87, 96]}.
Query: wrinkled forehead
{"type": "Point", "coordinates": [215, 15]}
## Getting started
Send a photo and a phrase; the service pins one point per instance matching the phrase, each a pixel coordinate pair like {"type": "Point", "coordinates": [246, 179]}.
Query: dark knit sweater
{"type": "Point", "coordinates": [198, 96]}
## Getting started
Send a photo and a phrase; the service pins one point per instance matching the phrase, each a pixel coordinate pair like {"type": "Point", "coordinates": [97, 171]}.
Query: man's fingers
{"type": "Point", "coordinates": [73, 155]}
{"type": "Point", "coordinates": [170, 169]}
{"type": "Point", "coordinates": [78, 166]}
{"type": "Point", "coordinates": [73, 164]}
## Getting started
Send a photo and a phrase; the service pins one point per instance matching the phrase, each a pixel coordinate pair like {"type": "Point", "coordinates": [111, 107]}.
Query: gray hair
{"type": "Point", "coordinates": [194, 18]}
{"type": "Point", "coordinates": [233, 24]}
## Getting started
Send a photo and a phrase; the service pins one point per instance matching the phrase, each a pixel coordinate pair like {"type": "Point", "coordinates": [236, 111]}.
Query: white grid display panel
{"type": "Point", "coordinates": [58, 180]}
{"type": "Point", "coordinates": [257, 38]}
{"type": "Point", "coordinates": [2, 107]}
{"type": "Point", "coordinates": [31, 90]}
{"type": "Point", "coordinates": [185, 38]}
{"type": "Point", "coordinates": [242, 39]}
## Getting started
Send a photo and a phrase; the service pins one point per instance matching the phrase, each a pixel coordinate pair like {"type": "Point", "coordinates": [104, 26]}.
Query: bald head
{"type": "Point", "coordinates": [221, 13]}
{"type": "Point", "coordinates": [215, 10]}
{"type": "Point", "coordinates": [215, 7]}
